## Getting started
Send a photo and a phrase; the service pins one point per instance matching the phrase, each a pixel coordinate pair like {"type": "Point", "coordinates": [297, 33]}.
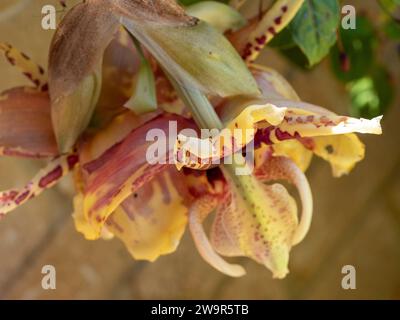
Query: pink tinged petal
{"type": "Point", "coordinates": [197, 213]}
{"type": "Point", "coordinates": [127, 166]}
{"type": "Point", "coordinates": [276, 168]}
{"type": "Point", "coordinates": [272, 84]}
{"type": "Point", "coordinates": [25, 124]}
{"type": "Point", "coordinates": [45, 179]}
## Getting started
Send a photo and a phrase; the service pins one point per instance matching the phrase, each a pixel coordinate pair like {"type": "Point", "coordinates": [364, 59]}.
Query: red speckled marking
{"type": "Point", "coordinates": [278, 20]}
{"type": "Point", "coordinates": [283, 135]}
{"type": "Point", "coordinates": [72, 161]}
{"type": "Point", "coordinates": [8, 196]}
{"type": "Point", "coordinates": [261, 40]}
{"type": "Point", "coordinates": [272, 30]}
{"type": "Point", "coordinates": [45, 87]}
{"type": "Point", "coordinates": [25, 56]}
{"type": "Point", "coordinates": [51, 177]}
{"type": "Point", "coordinates": [21, 197]}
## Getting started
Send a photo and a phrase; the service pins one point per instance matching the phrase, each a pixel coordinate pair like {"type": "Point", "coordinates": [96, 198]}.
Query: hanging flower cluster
{"type": "Point", "coordinates": [118, 69]}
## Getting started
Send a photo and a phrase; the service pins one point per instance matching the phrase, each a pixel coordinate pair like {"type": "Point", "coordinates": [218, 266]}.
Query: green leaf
{"type": "Point", "coordinates": [356, 55]}
{"type": "Point", "coordinates": [197, 56]}
{"type": "Point", "coordinates": [314, 28]}
{"type": "Point", "coordinates": [219, 15]}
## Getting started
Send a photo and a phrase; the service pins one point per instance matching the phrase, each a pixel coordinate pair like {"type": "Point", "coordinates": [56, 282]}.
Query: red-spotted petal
{"type": "Point", "coordinates": [46, 178]}
{"type": "Point", "coordinates": [280, 168]}
{"type": "Point", "coordinates": [35, 73]}
{"type": "Point", "coordinates": [259, 32]}
{"type": "Point", "coordinates": [257, 221]}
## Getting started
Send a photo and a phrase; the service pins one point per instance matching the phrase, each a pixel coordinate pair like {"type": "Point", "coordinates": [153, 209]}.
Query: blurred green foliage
{"type": "Point", "coordinates": [354, 62]}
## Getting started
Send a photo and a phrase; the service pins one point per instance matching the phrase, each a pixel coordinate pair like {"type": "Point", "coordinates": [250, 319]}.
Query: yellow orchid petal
{"type": "Point", "coordinates": [322, 125]}
{"type": "Point", "coordinates": [82, 225]}
{"type": "Point", "coordinates": [197, 213]}
{"type": "Point", "coordinates": [342, 152]}
{"type": "Point", "coordinates": [328, 136]}
{"type": "Point", "coordinates": [294, 150]}
{"type": "Point", "coordinates": [152, 221]}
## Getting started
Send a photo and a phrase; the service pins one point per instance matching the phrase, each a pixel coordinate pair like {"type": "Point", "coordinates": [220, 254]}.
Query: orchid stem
{"type": "Point", "coordinates": [202, 110]}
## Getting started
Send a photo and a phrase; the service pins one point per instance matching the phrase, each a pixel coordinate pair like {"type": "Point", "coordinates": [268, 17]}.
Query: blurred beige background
{"type": "Point", "coordinates": [357, 218]}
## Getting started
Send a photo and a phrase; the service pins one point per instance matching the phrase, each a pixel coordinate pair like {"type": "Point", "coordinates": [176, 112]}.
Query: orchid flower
{"type": "Point", "coordinates": [88, 118]}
